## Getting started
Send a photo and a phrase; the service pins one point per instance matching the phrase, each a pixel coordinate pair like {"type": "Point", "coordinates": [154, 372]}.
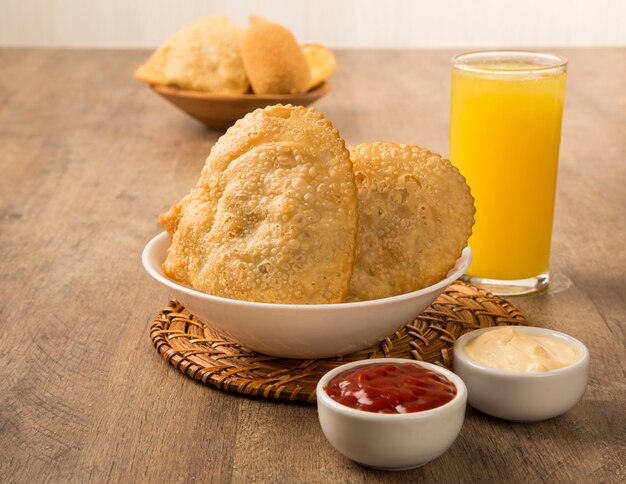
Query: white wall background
{"type": "Point", "coordinates": [336, 23]}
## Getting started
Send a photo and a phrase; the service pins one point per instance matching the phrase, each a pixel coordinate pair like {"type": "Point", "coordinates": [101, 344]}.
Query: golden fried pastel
{"type": "Point", "coordinates": [273, 217]}
{"type": "Point", "coordinates": [205, 55]}
{"type": "Point", "coordinates": [415, 216]}
{"type": "Point", "coordinates": [273, 59]}
{"type": "Point", "coordinates": [321, 62]}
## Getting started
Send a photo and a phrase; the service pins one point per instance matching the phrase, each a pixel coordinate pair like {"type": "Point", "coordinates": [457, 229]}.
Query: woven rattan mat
{"type": "Point", "coordinates": [205, 355]}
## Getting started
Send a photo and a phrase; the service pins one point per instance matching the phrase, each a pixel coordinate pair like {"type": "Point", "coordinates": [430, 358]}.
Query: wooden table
{"type": "Point", "coordinates": [90, 158]}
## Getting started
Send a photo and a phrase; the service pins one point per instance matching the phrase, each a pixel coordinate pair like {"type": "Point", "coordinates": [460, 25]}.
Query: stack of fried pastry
{"type": "Point", "coordinates": [283, 212]}
{"type": "Point", "coordinates": [214, 54]}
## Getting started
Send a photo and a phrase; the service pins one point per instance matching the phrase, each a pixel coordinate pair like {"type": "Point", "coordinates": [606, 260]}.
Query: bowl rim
{"type": "Point", "coordinates": [461, 266]}
{"type": "Point", "coordinates": [320, 90]}
{"type": "Point", "coordinates": [459, 399]}
{"type": "Point", "coordinates": [581, 363]}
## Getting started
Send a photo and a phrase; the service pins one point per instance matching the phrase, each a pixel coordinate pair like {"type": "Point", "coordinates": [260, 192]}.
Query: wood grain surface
{"type": "Point", "coordinates": [89, 159]}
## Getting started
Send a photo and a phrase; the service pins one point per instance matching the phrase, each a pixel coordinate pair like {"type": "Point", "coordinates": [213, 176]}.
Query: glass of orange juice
{"type": "Point", "coordinates": [505, 131]}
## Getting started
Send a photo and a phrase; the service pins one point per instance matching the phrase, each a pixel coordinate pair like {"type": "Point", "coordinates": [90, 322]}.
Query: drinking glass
{"type": "Point", "coordinates": [505, 131]}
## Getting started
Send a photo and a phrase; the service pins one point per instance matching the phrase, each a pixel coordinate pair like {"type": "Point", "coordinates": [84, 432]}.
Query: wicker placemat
{"type": "Point", "coordinates": [205, 355]}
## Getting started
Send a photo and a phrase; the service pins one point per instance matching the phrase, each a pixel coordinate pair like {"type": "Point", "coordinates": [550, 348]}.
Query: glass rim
{"type": "Point", "coordinates": [558, 62]}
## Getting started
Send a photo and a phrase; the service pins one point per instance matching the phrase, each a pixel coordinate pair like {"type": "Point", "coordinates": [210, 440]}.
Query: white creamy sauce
{"type": "Point", "coordinates": [507, 349]}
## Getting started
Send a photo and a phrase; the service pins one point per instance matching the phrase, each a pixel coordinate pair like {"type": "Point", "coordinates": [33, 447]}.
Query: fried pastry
{"type": "Point", "coordinates": [273, 217]}
{"type": "Point", "coordinates": [205, 55]}
{"type": "Point", "coordinates": [321, 62]}
{"type": "Point", "coordinates": [415, 216]}
{"type": "Point", "coordinates": [273, 59]}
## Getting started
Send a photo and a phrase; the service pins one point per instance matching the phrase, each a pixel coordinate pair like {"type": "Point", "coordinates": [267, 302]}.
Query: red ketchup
{"type": "Point", "coordinates": [391, 388]}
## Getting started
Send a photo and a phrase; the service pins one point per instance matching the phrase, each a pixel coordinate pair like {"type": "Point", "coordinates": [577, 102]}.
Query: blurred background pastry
{"type": "Point", "coordinates": [321, 61]}
{"type": "Point", "coordinates": [274, 61]}
{"type": "Point", "coordinates": [204, 55]}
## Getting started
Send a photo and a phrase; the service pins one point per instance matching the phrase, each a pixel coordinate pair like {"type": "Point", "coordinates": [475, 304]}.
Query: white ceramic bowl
{"type": "Point", "coordinates": [391, 441]}
{"type": "Point", "coordinates": [300, 331]}
{"type": "Point", "coordinates": [519, 396]}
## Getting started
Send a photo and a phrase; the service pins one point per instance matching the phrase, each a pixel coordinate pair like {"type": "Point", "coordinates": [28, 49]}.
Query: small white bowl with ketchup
{"type": "Point", "coordinates": [391, 413]}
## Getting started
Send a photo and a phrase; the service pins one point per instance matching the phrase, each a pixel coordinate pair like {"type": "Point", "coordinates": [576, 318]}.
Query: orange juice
{"type": "Point", "coordinates": [505, 132]}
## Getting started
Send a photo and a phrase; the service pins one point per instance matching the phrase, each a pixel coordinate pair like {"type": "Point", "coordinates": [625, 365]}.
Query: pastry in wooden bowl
{"type": "Point", "coordinates": [205, 55]}
{"type": "Point", "coordinates": [321, 62]}
{"type": "Point", "coordinates": [274, 61]}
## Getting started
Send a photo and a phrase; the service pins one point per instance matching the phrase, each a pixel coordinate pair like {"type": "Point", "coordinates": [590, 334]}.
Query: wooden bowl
{"type": "Point", "coordinates": [220, 111]}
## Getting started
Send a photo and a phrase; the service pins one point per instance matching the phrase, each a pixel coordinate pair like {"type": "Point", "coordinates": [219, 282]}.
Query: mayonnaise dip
{"type": "Point", "coordinates": [507, 349]}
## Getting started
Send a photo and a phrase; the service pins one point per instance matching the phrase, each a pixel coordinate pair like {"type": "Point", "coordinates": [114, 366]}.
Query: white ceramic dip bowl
{"type": "Point", "coordinates": [521, 396]}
